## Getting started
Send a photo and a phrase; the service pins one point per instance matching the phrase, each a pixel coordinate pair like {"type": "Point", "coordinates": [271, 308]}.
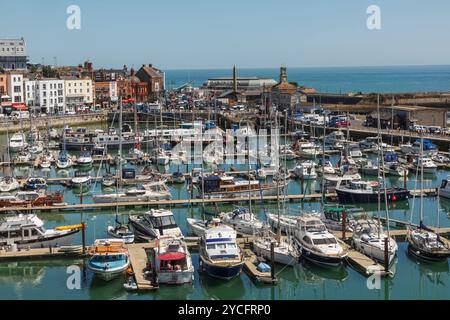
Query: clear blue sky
{"type": "Point", "coordinates": [182, 34]}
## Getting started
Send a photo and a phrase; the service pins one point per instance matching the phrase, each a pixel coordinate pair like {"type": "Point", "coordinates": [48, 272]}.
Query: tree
{"type": "Point", "coordinates": [153, 97]}
{"type": "Point", "coordinates": [48, 72]}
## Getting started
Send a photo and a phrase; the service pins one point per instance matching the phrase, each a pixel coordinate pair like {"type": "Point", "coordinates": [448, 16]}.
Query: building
{"type": "Point", "coordinates": [243, 85]}
{"type": "Point", "coordinates": [13, 54]}
{"type": "Point", "coordinates": [3, 84]}
{"type": "Point", "coordinates": [154, 78]}
{"type": "Point", "coordinates": [285, 95]}
{"type": "Point", "coordinates": [48, 95]}
{"type": "Point", "coordinates": [402, 117]}
{"type": "Point", "coordinates": [15, 87]}
{"type": "Point", "coordinates": [79, 92]}
{"type": "Point", "coordinates": [106, 93]}
{"type": "Point", "coordinates": [103, 75]}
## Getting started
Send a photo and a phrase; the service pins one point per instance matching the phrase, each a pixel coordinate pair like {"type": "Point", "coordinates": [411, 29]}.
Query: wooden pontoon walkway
{"type": "Point", "coordinates": [253, 272]}
{"type": "Point", "coordinates": [40, 253]}
{"type": "Point", "coordinates": [139, 259]}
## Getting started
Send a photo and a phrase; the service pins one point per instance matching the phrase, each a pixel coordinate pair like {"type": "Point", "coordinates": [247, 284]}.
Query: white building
{"type": "Point", "coordinates": [13, 54]}
{"type": "Point", "coordinates": [15, 87]}
{"type": "Point", "coordinates": [78, 92]}
{"type": "Point", "coordinates": [50, 95]}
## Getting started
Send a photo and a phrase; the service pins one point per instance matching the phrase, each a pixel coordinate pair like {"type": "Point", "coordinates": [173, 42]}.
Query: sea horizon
{"type": "Point", "coordinates": [371, 79]}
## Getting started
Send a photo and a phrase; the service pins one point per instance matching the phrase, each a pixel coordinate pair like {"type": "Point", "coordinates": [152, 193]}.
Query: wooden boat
{"type": "Point", "coordinates": [31, 198]}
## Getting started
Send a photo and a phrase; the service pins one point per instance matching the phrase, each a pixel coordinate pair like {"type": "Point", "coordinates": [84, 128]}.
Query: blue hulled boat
{"type": "Point", "coordinates": [220, 256]}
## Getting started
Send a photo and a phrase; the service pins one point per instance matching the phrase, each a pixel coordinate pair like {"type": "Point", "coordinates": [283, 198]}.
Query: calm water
{"type": "Point", "coordinates": [349, 79]}
{"type": "Point", "coordinates": [47, 279]}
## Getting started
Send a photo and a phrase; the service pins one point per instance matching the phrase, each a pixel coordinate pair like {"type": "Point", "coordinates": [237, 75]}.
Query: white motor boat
{"type": "Point", "coordinates": [155, 224]}
{"type": "Point", "coordinates": [369, 169]}
{"type": "Point", "coordinates": [198, 227]}
{"type": "Point", "coordinates": [8, 184]}
{"type": "Point", "coordinates": [306, 170]}
{"type": "Point", "coordinates": [17, 142]}
{"type": "Point", "coordinates": [369, 144]}
{"type": "Point", "coordinates": [316, 244]}
{"type": "Point", "coordinates": [27, 231]}
{"type": "Point", "coordinates": [85, 159]}
{"type": "Point", "coordinates": [427, 164]}
{"type": "Point", "coordinates": [243, 221]}
{"type": "Point", "coordinates": [64, 161]}
{"type": "Point", "coordinates": [369, 238]}
{"type": "Point", "coordinates": [23, 157]}
{"type": "Point", "coordinates": [154, 191]}
{"type": "Point", "coordinates": [173, 262]}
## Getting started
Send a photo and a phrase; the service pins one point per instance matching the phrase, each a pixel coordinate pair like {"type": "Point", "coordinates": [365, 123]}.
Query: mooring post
{"type": "Point", "coordinates": [386, 254]}
{"type": "Point", "coordinates": [404, 178]}
{"type": "Point", "coordinates": [302, 179]}
{"type": "Point", "coordinates": [83, 236]}
{"type": "Point", "coordinates": [272, 260]}
{"type": "Point", "coordinates": [344, 224]}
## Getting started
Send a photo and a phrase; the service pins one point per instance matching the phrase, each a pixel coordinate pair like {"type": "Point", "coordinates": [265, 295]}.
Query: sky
{"type": "Point", "coordinates": [205, 34]}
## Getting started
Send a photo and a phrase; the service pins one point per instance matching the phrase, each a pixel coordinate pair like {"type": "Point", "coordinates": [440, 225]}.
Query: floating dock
{"type": "Point", "coordinates": [364, 264]}
{"type": "Point", "coordinates": [250, 268]}
{"type": "Point", "coordinates": [139, 261]}
{"type": "Point", "coordinates": [41, 253]}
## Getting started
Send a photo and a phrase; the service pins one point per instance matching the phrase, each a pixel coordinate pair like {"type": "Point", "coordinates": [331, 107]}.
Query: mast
{"type": "Point", "coordinates": [421, 179]}
{"type": "Point", "coordinates": [379, 155]}
{"type": "Point", "coordinates": [248, 169]}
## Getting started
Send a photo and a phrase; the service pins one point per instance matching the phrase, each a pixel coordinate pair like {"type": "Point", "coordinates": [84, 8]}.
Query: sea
{"type": "Point", "coordinates": [393, 79]}
{"type": "Point", "coordinates": [50, 279]}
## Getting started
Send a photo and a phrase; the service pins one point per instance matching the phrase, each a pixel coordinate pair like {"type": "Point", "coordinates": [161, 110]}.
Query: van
{"type": "Point", "coordinates": [20, 115]}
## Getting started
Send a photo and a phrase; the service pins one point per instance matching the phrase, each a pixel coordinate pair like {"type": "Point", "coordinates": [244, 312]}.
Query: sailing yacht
{"type": "Point", "coordinates": [243, 221]}
{"type": "Point", "coordinates": [285, 252]}
{"type": "Point", "coordinates": [369, 238]}
{"type": "Point", "coordinates": [423, 242]}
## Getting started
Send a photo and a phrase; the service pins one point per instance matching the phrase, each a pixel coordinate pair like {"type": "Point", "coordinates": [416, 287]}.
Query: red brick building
{"type": "Point", "coordinates": [154, 78]}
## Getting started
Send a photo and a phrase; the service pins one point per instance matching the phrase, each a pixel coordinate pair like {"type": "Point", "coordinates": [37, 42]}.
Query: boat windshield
{"type": "Point", "coordinates": [108, 258]}
{"type": "Point", "coordinates": [324, 241]}
{"type": "Point", "coordinates": [161, 222]}
{"type": "Point", "coordinates": [315, 226]}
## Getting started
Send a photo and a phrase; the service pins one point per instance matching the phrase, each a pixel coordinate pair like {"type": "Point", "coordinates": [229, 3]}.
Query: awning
{"type": "Point", "coordinates": [172, 256]}
{"type": "Point", "coordinates": [20, 106]}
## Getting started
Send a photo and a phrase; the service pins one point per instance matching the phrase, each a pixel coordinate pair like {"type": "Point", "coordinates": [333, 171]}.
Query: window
{"type": "Point", "coordinates": [60, 100]}
{"type": "Point", "coordinates": [26, 233]}
{"type": "Point", "coordinates": [34, 232]}
{"type": "Point", "coordinates": [44, 86]}
{"type": "Point", "coordinates": [17, 89]}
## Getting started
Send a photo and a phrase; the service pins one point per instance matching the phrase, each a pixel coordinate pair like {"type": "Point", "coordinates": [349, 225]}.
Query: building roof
{"type": "Point", "coordinates": [285, 87]}
{"type": "Point", "coordinates": [411, 108]}
{"type": "Point", "coordinates": [152, 72]}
